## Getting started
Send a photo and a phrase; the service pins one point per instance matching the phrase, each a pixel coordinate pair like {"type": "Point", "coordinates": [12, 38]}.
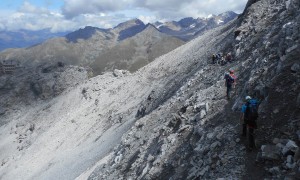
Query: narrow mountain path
{"type": "Point", "coordinates": [253, 170]}
{"type": "Point", "coordinates": [231, 116]}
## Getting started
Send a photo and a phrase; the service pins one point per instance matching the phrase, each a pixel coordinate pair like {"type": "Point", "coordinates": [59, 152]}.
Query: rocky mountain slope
{"type": "Point", "coordinates": [28, 85]}
{"type": "Point", "coordinates": [170, 119]}
{"type": "Point", "coordinates": [136, 52]}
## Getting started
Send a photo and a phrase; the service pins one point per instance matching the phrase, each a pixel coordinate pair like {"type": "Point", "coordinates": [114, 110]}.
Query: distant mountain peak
{"type": "Point", "coordinates": [83, 33]}
{"type": "Point", "coordinates": [228, 13]}
{"type": "Point", "coordinates": [189, 27]}
{"type": "Point", "coordinates": [187, 22]}
{"type": "Point", "coordinates": [150, 26]}
{"type": "Point", "coordinates": [129, 28]}
{"type": "Point", "coordinates": [132, 22]}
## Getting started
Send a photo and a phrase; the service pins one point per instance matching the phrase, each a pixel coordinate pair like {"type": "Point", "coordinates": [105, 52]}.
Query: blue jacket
{"type": "Point", "coordinates": [251, 101]}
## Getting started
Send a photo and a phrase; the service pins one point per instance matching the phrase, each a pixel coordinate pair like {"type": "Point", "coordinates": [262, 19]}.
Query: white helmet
{"type": "Point", "coordinates": [248, 98]}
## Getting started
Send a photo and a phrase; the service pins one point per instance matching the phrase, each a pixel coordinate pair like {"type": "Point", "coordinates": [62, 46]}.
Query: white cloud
{"type": "Point", "coordinates": [53, 21]}
{"type": "Point", "coordinates": [147, 19]}
{"type": "Point", "coordinates": [30, 17]}
{"type": "Point", "coordinates": [174, 9]}
{"type": "Point", "coordinates": [108, 13]}
{"type": "Point", "coordinates": [166, 9]}
{"type": "Point", "coordinates": [73, 8]}
{"type": "Point", "coordinates": [29, 8]}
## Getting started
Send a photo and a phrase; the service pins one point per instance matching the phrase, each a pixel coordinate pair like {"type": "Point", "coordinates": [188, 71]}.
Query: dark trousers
{"type": "Point", "coordinates": [229, 87]}
{"type": "Point", "coordinates": [251, 141]}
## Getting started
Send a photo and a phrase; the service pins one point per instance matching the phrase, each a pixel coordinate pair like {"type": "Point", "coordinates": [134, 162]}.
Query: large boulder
{"type": "Point", "coordinates": [270, 152]}
{"type": "Point", "coordinates": [120, 73]}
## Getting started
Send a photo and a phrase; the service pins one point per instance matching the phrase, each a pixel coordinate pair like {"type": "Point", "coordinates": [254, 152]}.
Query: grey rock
{"type": "Point", "coordinates": [224, 160]}
{"type": "Point", "coordinates": [274, 170]}
{"type": "Point", "coordinates": [189, 109]}
{"type": "Point", "coordinates": [295, 67]}
{"type": "Point", "coordinates": [290, 146]}
{"type": "Point", "coordinates": [270, 152]}
{"type": "Point", "coordinates": [275, 111]}
{"type": "Point", "coordinates": [210, 135]}
{"type": "Point", "coordinates": [238, 38]}
{"type": "Point", "coordinates": [200, 106]}
{"type": "Point", "coordinates": [120, 73]}
{"type": "Point", "coordinates": [289, 159]}
{"type": "Point", "coordinates": [220, 135]}
{"type": "Point", "coordinates": [150, 158]}
{"type": "Point", "coordinates": [291, 49]}
{"type": "Point", "coordinates": [214, 145]}
{"type": "Point", "coordinates": [283, 141]}
{"type": "Point", "coordinates": [261, 91]}
{"type": "Point", "coordinates": [242, 148]}
{"type": "Point", "coordinates": [118, 159]}
{"type": "Point", "coordinates": [232, 144]}
{"type": "Point", "coordinates": [290, 165]}
{"type": "Point", "coordinates": [202, 114]}
{"type": "Point", "coordinates": [279, 145]}
{"type": "Point", "coordinates": [276, 141]}
{"type": "Point", "coordinates": [207, 107]}
{"type": "Point", "coordinates": [204, 170]}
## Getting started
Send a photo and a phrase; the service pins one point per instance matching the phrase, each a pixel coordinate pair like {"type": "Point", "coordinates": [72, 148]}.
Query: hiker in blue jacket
{"type": "Point", "coordinates": [248, 117]}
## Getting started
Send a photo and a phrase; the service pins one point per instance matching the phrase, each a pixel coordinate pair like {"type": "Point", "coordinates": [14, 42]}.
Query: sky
{"type": "Point", "coordinates": [68, 15]}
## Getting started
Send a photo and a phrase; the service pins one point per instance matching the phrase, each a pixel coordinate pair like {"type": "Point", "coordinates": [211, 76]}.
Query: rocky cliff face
{"type": "Point", "coordinates": [170, 119]}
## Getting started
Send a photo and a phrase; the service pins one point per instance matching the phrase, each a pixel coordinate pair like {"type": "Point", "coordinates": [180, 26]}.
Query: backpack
{"type": "Point", "coordinates": [229, 79]}
{"type": "Point", "coordinates": [251, 113]}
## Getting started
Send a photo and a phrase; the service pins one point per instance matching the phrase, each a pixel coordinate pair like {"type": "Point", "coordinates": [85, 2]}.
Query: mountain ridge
{"type": "Point", "coordinates": [90, 44]}
{"type": "Point", "coordinates": [32, 38]}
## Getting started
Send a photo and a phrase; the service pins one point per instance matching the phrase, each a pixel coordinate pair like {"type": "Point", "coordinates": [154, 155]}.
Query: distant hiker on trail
{"type": "Point", "coordinates": [228, 57]}
{"type": "Point", "coordinates": [213, 58]}
{"type": "Point", "coordinates": [248, 117]}
{"type": "Point", "coordinates": [230, 81]}
{"type": "Point", "coordinates": [218, 58]}
{"type": "Point", "coordinates": [223, 60]}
